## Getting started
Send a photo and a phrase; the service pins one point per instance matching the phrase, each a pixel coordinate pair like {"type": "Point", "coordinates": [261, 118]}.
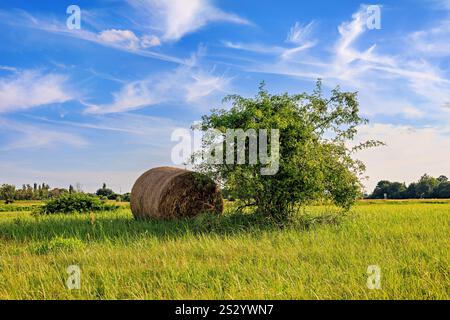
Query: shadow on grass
{"type": "Point", "coordinates": [123, 228]}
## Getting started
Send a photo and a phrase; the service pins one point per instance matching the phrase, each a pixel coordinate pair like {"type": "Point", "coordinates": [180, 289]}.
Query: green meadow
{"type": "Point", "coordinates": [320, 255]}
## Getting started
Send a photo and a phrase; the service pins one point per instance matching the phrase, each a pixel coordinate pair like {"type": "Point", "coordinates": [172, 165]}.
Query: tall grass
{"type": "Point", "coordinates": [317, 256]}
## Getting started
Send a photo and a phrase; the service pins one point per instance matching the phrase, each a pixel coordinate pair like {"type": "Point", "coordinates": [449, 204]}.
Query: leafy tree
{"type": "Point", "coordinates": [26, 193]}
{"type": "Point", "coordinates": [442, 179]}
{"type": "Point", "coordinates": [442, 191]}
{"type": "Point", "coordinates": [381, 189]}
{"type": "Point", "coordinates": [114, 196]}
{"type": "Point", "coordinates": [35, 192]}
{"type": "Point", "coordinates": [314, 159]}
{"type": "Point", "coordinates": [425, 186]}
{"type": "Point", "coordinates": [57, 192]}
{"type": "Point", "coordinates": [126, 197]}
{"type": "Point", "coordinates": [393, 190]}
{"type": "Point", "coordinates": [411, 191]}
{"type": "Point", "coordinates": [8, 193]}
{"type": "Point", "coordinates": [105, 192]}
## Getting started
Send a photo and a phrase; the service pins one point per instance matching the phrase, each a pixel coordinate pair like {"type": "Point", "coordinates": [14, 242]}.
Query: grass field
{"type": "Point", "coordinates": [232, 257]}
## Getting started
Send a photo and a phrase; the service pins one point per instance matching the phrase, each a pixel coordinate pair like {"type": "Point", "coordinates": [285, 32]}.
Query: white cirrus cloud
{"type": "Point", "coordinates": [132, 96]}
{"type": "Point", "coordinates": [118, 39]}
{"type": "Point", "coordinates": [185, 84]}
{"type": "Point", "coordinates": [299, 34]}
{"type": "Point", "coordinates": [8, 68]}
{"type": "Point", "coordinates": [152, 129]}
{"type": "Point", "coordinates": [442, 4]}
{"type": "Point", "coordinates": [26, 136]}
{"type": "Point", "coordinates": [282, 52]}
{"type": "Point", "coordinates": [148, 41]}
{"type": "Point", "coordinates": [176, 18]}
{"type": "Point", "coordinates": [123, 37]}
{"type": "Point", "coordinates": [403, 79]}
{"type": "Point", "coordinates": [128, 39]}
{"type": "Point", "coordinates": [434, 42]}
{"type": "Point", "coordinates": [32, 88]}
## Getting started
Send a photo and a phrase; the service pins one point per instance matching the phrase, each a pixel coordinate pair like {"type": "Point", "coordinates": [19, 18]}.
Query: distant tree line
{"type": "Point", "coordinates": [106, 193]}
{"type": "Point", "coordinates": [9, 193]}
{"type": "Point", "coordinates": [427, 187]}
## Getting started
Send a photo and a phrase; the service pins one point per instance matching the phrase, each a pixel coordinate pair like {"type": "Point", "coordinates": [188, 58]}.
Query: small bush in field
{"type": "Point", "coordinates": [72, 203]}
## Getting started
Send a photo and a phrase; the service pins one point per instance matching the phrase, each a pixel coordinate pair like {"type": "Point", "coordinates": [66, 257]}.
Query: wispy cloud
{"type": "Point", "coordinates": [8, 68]}
{"type": "Point", "coordinates": [156, 21]}
{"type": "Point", "coordinates": [174, 19]}
{"type": "Point", "coordinates": [372, 73]}
{"type": "Point", "coordinates": [137, 125]}
{"type": "Point", "coordinates": [26, 136]}
{"type": "Point", "coordinates": [434, 42]}
{"type": "Point", "coordinates": [32, 88]}
{"type": "Point", "coordinates": [132, 96]}
{"type": "Point", "coordinates": [299, 34]}
{"type": "Point", "coordinates": [382, 72]}
{"type": "Point", "coordinates": [119, 39]}
{"type": "Point", "coordinates": [184, 84]}
{"type": "Point", "coordinates": [443, 4]}
{"type": "Point", "coordinates": [281, 52]}
{"type": "Point", "coordinates": [128, 39]}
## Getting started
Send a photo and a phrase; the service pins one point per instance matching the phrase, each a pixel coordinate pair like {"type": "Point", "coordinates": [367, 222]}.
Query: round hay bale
{"type": "Point", "coordinates": [167, 192]}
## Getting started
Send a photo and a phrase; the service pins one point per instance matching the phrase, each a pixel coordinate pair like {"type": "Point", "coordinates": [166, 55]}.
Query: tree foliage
{"type": "Point", "coordinates": [427, 187]}
{"type": "Point", "coordinates": [105, 192]}
{"type": "Point", "coordinates": [73, 203]}
{"type": "Point", "coordinates": [8, 193]}
{"type": "Point", "coordinates": [395, 190]}
{"type": "Point", "coordinates": [43, 191]}
{"type": "Point", "coordinates": [315, 161]}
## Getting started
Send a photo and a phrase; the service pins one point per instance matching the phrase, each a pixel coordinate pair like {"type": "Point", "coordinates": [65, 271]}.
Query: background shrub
{"type": "Point", "coordinates": [78, 202]}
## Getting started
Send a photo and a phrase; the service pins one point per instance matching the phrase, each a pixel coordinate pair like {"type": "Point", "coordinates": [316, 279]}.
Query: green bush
{"type": "Point", "coordinates": [126, 197]}
{"type": "Point", "coordinates": [78, 202]}
{"type": "Point", "coordinates": [310, 155]}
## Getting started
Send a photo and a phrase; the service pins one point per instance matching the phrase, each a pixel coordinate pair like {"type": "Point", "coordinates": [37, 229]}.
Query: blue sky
{"type": "Point", "coordinates": [99, 104]}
